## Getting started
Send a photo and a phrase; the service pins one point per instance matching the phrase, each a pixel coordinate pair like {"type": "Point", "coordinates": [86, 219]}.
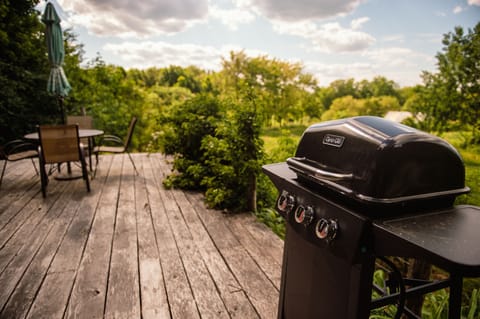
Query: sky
{"type": "Point", "coordinates": [333, 39]}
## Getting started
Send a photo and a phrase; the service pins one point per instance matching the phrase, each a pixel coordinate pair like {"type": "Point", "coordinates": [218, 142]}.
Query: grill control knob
{"type": "Point", "coordinates": [285, 202]}
{"type": "Point", "coordinates": [326, 229]}
{"type": "Point", "coordinates": [333, 229]}
{"type": "Point", "coordinates": [304, 215]}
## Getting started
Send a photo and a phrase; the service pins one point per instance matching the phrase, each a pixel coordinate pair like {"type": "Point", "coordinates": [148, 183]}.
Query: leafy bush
{"type": "Point", "coordinates": [273, 220]}
{"type": "Point", "coordinates": [234, 157]}
{"type": "Point", "coordinates": [183, 128]}
{"type": "Point", "coordinates": [217, 149]}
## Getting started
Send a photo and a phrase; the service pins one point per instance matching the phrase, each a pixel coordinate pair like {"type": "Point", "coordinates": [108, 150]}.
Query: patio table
{"type": "Point", "coordinates": [90, 134]}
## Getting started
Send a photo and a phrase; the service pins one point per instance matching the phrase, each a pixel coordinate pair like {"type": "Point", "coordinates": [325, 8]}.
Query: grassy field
{"type": "Point", "coordinates": [471, 158]}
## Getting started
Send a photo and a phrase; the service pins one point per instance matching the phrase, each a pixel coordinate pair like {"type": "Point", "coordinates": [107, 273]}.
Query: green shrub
{"type": "Point", "coordinates": [217, 149]}
{"type": "Point", "coordinates": [184, 127]}
{"type": "Point", "coordinates": [234, 156]}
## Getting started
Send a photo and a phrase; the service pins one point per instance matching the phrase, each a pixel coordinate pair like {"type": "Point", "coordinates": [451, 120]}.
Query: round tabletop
{"type": "Point", "coordinates": [81, 133]}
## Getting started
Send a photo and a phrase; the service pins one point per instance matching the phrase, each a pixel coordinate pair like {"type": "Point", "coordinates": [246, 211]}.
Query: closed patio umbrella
{"type": "Point", "coordinates": [57, 82]}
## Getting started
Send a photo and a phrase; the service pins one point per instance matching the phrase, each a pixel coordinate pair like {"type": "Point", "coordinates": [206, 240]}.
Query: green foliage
{"type": "Point", "coordinates": [234, 157]}
{"type": "Point", "coordinates": [387, 312]}
{"type": "Point", "coordinates": [190, 78]}
{"type": "Point", "coordinates": [435, 305]}
{"type": "Point", "coordinates": [187, 124]}
{"type": "Point", "coordinates": [217, 148]}
{"type": "Point", "coordinates": [24, 69]}
{"type": "Point", "coordinates": [473, 311]}
{"type": "Point", "coordinates": [273, 220]}
{"type": "Point", "coordinates": [349, 106]}
{"type": "Point", "coordinates": [378, 87]}
{"type": "Point", "coordinates": [282, 92]}
{"type": "Point", "coordinates": [183, 129]}
{"type": "Point", "coordinates": [285, 147]}
{"type": "Point", "coordinates": [449, 99]}
{"type": "Point", "coordinates": [159, 100]}
{"type": "Point", "coordinates": [110, 96]}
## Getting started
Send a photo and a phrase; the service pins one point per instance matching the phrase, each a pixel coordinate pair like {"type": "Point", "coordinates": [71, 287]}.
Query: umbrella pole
{"type": "Point", "coordinates": [60, 103]}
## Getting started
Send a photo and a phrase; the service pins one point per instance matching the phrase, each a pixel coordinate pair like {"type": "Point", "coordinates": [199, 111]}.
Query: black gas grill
{"type": "Point", "coordinates": [363, 188]}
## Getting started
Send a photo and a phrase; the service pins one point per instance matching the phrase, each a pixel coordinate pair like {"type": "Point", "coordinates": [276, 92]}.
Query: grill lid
{"type": "Point", "coordinates": [373, 160]}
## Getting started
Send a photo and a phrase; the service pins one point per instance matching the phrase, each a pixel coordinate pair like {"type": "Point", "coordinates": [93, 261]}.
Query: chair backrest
{"type": "Point", "coordinates": [83, 121]}
{"type": "Point", "coordinates": [131, 127]}
{"type": "Point", "coordinates": [59, 143]}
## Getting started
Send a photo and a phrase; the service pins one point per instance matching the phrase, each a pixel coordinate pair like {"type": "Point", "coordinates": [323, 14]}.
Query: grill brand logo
{"type": "Point", "coordinates": [333, 140]}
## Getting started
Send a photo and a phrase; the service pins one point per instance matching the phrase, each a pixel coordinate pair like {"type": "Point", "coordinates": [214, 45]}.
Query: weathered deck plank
{"type": "Point", "coordinates": [129, 249]}
{"type": "Point", "coordinates": [123, 296]}
{"type": "Point", "coordinates": [152, 286]}
{"type": "Point", "coordinates": [18, 253]}
{"type": "Point", "coordinates": [90, 288]}
{"type": "Point", "coordinates": [24, 294]}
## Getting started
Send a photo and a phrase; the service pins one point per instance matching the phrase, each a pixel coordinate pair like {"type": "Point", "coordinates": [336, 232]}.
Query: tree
{"type": "Point", "coordinates": [379, 86]}
{"type": "Point", "coordinates": [281, 89]}
{"type": "Point", "coordinates": [342, 107]}
{"type": "Point", "coordinates": [76, 103]}
{"type": "Point", "coordinates": [24, 69]}
{"type": "Point", "coordinates": [348, 106]}
{"type": "Point", "coordinates": [183, 77]}
{"type": "Point", "coordinates": [451, 97]}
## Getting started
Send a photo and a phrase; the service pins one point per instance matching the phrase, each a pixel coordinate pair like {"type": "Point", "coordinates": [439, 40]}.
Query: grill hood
{"type": "Point", "coordinates": [373, 160]}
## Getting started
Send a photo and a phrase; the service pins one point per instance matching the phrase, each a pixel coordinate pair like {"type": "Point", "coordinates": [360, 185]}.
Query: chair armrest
{"type": "Point", "coordinates": [111, 139]}
{"type": "Point", "coordinates": [17, 146]}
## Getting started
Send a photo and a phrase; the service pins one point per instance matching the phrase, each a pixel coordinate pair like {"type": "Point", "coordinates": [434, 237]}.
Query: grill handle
{"type": "Point", "coordinates": [297, 163]}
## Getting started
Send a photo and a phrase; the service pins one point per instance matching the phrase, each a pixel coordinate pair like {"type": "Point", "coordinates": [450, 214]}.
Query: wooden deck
{"type": "Point", "coordinates": [129, 249]}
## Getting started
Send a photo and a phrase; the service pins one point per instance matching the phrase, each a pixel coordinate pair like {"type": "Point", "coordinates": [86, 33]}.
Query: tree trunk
{"type": "Point", "coordinates": [252, 193]}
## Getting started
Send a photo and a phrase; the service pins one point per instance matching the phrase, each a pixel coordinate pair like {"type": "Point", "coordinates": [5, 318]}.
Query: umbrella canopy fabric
{"type": "Point", "coordinates": [57, 82]}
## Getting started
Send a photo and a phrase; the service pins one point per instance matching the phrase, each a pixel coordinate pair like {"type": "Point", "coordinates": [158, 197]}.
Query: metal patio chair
{"type": "Point", "coordinates": [84, 122]}
{"type": "Point", "coordinates": [17, 150]}
{"type": "Point", "coordinates": [117, 145]}
{"type": "Point", "coordinates": [60, 144]}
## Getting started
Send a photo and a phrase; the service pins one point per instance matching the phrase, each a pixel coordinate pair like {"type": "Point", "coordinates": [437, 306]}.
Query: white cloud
{"type": "Point", "coordinates": [327, 73]}
{"type": "Point", "coordinates": [357, 23]}
{"type": "Point", "coordinates": [474, 2]}
{"type": "Point", "coordinates": [394, 38]}
{"type": "Point", "coordinates": [332, 37]}
{"type": "Point", "coordinates": [161, 54]}
{"type": "Point", "coordinates": [329, 37]}
{"type": "Point", "coordinates": [457, 9]}
{"type": "Point", "coordinates": [302, 29]}
{"type": "Point", "coordinates": [401, 65]}
{"type": "Point", "coordinates": [232, 17]}
{"type": "Point", "coordinates": [287, 10]}
{"type": "Point", "coordinates": [134, 18]}
{"type": "Point", "coordinates": [397, 57]}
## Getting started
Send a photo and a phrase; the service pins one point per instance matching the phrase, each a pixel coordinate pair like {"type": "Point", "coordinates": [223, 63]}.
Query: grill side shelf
{"type": "Point", "coordinates": [448, 239]}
